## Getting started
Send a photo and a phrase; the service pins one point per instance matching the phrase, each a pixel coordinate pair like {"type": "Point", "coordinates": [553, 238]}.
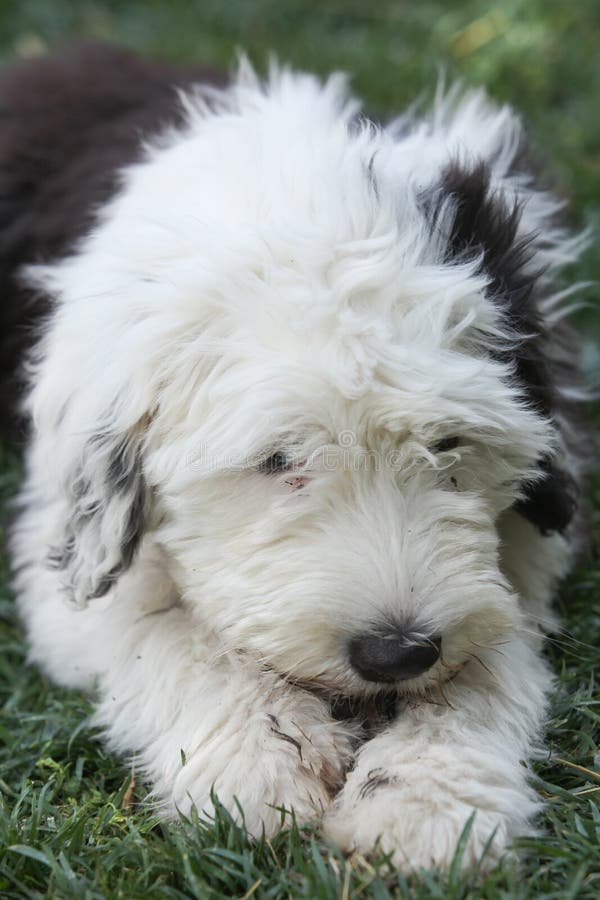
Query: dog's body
{"type": "Point", "coordinates": [305, 425]}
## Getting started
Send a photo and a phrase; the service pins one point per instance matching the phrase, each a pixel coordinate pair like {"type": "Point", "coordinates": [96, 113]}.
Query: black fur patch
{"type": "Point", "coordinates": [370, 713]}
{"type": "Point", "coordinates": [551, 503]}
{"type": "Point", "coordinates": [121, 490]}
{"type": "Point", "coordinates": [123, 468]}
{"type": "Point", "coordinates": [376, 779]}
{"type": "Point", "coordinates": [136, 522]}
{"type": "Point", "coordinates": [69, 122]}
{"type": "Point", "coordinates": [277, 462]}
{"type": "Point", "coordinates": [485, 225]}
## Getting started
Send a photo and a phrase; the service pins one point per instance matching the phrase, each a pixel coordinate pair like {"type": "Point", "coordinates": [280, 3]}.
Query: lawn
{"type": "Point", "coordinates": [70, 821]}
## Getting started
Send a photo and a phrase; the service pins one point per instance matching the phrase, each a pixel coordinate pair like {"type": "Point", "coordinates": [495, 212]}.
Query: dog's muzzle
{"type": "Point", "coordinates": [393, 657]}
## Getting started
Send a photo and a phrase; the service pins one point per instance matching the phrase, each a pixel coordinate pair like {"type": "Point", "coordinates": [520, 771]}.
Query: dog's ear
{"type": "Point", "coordinates": [478, 222]}
{"type": "Point", "coordinates": [108, 505]}
{"type": "Point", "coordinates": [550, 503]}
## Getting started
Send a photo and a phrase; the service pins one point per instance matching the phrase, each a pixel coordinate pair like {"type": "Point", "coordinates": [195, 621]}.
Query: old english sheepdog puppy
{"type": "Point", "coordinates": [306, 460]}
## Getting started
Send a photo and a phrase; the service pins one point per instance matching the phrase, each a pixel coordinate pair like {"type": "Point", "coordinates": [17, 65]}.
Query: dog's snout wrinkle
{"type": "Point", "coordinates": [393, 657]}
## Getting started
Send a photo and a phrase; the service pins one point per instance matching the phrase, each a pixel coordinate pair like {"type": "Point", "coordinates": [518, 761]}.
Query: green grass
{"type": "Point", "coordinates": [68, 827]}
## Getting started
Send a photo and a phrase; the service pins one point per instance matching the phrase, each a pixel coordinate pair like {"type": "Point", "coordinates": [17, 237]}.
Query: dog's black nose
{"type": "Point", "coordinates": [393, 657]}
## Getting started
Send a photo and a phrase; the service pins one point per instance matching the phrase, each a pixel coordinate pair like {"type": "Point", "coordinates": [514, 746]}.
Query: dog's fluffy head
{"type": "Point", "coordinates": [302, 355]}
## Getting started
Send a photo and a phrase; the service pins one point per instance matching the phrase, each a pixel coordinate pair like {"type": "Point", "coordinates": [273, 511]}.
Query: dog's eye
{"type": "Point", "coordinates": [449, 443]}
{"type": "Point", "coordinates": [277, 462]}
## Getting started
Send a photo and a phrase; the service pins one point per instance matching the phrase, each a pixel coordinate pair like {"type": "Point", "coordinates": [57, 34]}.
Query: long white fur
{"type": "Point", "coordinates": [265, 278]}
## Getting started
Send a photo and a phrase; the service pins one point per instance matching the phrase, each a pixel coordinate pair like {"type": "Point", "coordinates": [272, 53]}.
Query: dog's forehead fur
{"type": "Point", "coordinates": [282, 227]}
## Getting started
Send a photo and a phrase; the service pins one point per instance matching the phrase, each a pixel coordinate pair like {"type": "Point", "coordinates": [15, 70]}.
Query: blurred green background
{"type": "Point", "coordinates": [542, 55]}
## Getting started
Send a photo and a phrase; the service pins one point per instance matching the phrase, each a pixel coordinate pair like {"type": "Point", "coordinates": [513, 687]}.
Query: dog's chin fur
{"type": "Point", "coordinates": [305, 379]}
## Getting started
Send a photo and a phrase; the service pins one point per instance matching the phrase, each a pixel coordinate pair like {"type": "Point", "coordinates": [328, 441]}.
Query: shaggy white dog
{"type": "Point", "coordinates": [305, 465]}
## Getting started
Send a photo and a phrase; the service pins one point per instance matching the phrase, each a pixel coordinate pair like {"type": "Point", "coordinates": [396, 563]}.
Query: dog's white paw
{"type": "Point", "coordinates": [292, 756]}
{"type": "Point", "coordinates": [417, 810]}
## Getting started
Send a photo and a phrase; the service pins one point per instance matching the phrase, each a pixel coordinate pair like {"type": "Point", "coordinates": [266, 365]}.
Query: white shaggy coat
{"type": "Point", "coordinates": [266, 281]}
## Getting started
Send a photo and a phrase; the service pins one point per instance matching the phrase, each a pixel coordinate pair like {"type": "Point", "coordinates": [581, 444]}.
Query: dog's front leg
{"type": "Point", "coordinates": [199, 721]}
{"type": "Point", "coordinates": [416, 784]}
